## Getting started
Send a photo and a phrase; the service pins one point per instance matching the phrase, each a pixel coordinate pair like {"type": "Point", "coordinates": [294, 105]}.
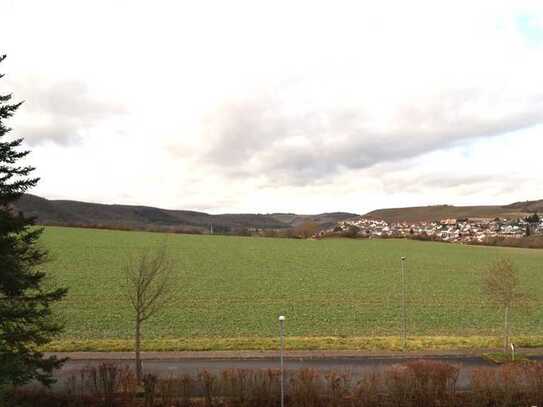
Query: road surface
{"type": "Point", "coordinates": [176, 364]}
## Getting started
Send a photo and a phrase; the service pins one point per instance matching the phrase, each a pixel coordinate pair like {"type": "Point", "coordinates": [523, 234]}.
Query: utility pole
{"type": "Point", "coordinates": [404, 313]}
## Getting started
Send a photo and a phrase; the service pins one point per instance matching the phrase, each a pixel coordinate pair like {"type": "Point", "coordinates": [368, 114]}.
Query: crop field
{"type": "Point", "coordinates": [233, 288]}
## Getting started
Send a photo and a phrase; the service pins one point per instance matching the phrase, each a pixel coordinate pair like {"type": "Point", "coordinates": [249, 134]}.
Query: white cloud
{"type": "Point", "coordinates": [59, 112]}
{"type": "Point", "coordinates": [263, 106]}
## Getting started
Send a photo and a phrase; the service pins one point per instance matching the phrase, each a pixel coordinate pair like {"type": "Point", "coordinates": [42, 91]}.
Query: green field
{"type": "Point", "coordinates": [233, 288]}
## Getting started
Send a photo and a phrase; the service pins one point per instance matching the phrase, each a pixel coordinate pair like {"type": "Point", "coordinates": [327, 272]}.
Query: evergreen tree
{"type": "Point", "coordinates": [534, 218]}
{"type": "Point", "coordinates": [26, 319]}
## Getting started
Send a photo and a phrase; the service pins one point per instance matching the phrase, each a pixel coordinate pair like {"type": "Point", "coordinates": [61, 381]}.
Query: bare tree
{"type": "Point", "coordinates": [306, 230]}
{"type": "Point", "coordinates": [148, 288]}
{"type": "Point", "coordinates": [500, 284]}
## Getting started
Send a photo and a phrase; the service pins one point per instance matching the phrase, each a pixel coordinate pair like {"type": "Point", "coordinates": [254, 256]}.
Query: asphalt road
{"type": "Point", "coordinates": [357, 366]}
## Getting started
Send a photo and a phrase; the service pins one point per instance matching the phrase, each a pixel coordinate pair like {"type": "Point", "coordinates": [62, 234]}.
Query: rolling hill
{"type": "Point", "coordinates": [436, 212]}
{"type": "Point", "coordinates": [324, 220]}
{"type": "Point", "coordinates": [76, 213]}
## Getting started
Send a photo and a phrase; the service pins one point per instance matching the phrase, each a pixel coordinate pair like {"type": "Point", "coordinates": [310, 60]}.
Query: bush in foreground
{"type": "Point", "coordinates": [419, 383]}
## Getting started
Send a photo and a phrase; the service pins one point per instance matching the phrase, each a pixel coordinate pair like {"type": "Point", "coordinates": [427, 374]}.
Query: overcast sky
{"type": "Point", "coordinates": [274, 106]}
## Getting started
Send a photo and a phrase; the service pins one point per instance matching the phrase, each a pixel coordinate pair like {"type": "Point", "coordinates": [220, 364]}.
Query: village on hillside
{"type": "Point", "coordinates": [467, 230]}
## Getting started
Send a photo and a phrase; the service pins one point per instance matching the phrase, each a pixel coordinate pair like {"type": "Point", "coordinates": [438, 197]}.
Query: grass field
{"type": "Point", "coordinates": [230, 290]}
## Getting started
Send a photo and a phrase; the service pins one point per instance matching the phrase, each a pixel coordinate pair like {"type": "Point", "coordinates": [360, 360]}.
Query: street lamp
{"type": "Point", "coordinates": [404, 324]}
{"type": "Point", "coordinates": [282, 338]}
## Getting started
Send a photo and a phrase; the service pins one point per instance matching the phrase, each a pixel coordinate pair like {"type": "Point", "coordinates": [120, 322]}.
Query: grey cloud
{"type": "Point", "coordinates": [241, 129]}
{"type": "Point", "coordinates": [393, 179]}
{"type": "Point", "coordinates": [439, 180]}
{"type": "Point", "coordinates": [262, 136]}
{"type": "Point", "coordinates": [58, 112]}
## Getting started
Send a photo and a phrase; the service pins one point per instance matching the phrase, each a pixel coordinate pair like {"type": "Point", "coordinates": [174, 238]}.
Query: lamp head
{"type": "Point", "coordinates": [281, 318]}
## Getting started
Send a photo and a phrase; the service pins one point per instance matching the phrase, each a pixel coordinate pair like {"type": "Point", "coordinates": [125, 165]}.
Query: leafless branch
{"type": "Point", "coordinates": [149, 286]}
{"type": "Point", "coordinates": [149, 282]}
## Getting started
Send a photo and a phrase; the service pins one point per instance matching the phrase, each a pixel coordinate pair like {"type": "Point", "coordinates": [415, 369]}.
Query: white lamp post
{"type": "Point", "coordinates": [404, 324]}
{"type": "Point", "coordinates": [282, 338]}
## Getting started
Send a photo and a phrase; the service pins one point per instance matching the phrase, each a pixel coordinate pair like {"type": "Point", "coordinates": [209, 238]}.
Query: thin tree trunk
{"type": "Point", "coordinates": [139, 369]}
{"type": "Point", "coordinates": [506, 330]}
